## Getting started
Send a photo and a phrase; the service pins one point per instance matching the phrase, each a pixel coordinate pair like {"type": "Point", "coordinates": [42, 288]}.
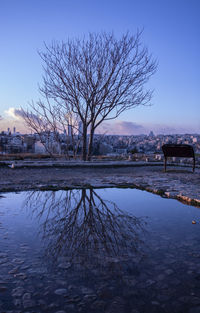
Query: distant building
{"type": "Point", "coordinates": [151, 134]}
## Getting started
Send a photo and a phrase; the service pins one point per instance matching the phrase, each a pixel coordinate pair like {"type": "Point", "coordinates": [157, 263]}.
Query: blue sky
{"type": "Point", "coordinates": [171, 32]}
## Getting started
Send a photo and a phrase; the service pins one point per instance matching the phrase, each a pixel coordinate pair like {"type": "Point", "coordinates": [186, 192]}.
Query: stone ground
{"type": "Point", "coordinates": [178, 182]}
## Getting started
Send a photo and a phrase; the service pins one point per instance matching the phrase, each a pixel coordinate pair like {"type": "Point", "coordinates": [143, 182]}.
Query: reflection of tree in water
{"type": "Point", "coordinates": [81, 225]}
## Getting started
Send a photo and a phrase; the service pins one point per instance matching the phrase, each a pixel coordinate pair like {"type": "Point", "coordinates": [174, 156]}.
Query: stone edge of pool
{"type": "Point", "coordinates": [155, 182]}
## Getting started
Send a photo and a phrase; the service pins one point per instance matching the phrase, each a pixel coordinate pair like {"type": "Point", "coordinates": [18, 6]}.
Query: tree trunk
{"type": "Point", "coordinates": [90, 148]}
{"type": "Point", "coordinates": [84, 148]}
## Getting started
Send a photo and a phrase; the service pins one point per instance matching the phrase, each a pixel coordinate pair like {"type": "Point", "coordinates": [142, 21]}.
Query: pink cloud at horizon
{"type": "Point", "coordinates": [116, 127]}
{"type": "Point", "coordinates": [111, 128]}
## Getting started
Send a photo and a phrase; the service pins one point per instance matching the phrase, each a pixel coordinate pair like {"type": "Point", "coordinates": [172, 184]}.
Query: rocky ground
{"type": "Point", "coordinates": [178, 182]}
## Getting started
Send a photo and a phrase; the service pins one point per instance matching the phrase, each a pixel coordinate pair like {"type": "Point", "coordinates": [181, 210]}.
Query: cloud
{"type": "Point", "coordinates": [1, 118]}
{"type": "Point", "coordinates": [18, 114]}
{"type": "Point", "coordinates": [121, 128]}
{"type": "Point", "coordinates": [132, 128]}
{"type": "Point", "coordinates": [14, 118]}
{"type": "Point", "coordinates": [13, 113]}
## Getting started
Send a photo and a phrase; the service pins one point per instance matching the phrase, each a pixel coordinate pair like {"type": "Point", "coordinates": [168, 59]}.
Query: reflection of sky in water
{"type": "Point", "coordinates": [164, 215]}
{"type": "Point", "coordinates": [137, 202]}
{"type": "Point", "coordinates": [157, 261]}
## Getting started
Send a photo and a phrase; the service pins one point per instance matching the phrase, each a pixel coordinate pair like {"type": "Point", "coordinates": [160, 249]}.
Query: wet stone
{"type": "Point", "coordinates": [69, 307]}
{"type": "Point", "coordinates": [17, 292]}
{"type": "Point", "coordinates": [73, 299]}
{"type": "Point", "coordinates": [161, 285]}
{"type": "Point", "coordinates": [89, 298]}
{"type": "Point", "coordinates": [42, 303]}
{"type": "Point", "coordinates": [61, 282]}
{"type": "Point", "coordinates": [195, 310]}
{"type": "Point", "coordinates": [195, 300]}
{"type": "Point", "coordinates": [27, 301]}
{"type": "Point", "coordinates": [163, 298]}
{"type": "Point", "coordinates": [104, 293]}
{"type": "Point", "coordinates": [3, 255]}
{"type": "Point", "coordinates": [21, 275]}
{"type": "Point", "coordinates": [25, 267]}
{"type": "Point", "coordinates": [3, 261]}
{"type": "Point", "coordinates": [61, 292]}
{"type": "Point", "coordinates": [3, 288]}
{"type": "Point", "coordinates": [86, 290]}
{"type": "Point", "coordinates": [17, 302]}
{"type": "Point", "coordinates": [18, 261]}
{"type": "Point", "coordinates": [98, 305]}
{"type": "Point", "coordinates": [117, 306]}
{"type": "Point", "coordinates": [14, 270]}
{"type": "Point", "coordinates": [160, 277]}
{"type": "Point", "coordinates": [53, 305]}
{"type": "Point", "coordinates": [175, 282]}
{"type": "Point", "coordinates": [149, 282]}
{"type": "Point", "coordinates": [27, 296]}
{"type": "Point", "coordinates": [169, 272]}
{"type": "Point", "coordinates": [65, 265]}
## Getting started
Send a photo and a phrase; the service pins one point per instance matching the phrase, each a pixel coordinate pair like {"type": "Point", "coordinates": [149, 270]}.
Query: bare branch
{"type": "Point", "coordinates": [94, 78]}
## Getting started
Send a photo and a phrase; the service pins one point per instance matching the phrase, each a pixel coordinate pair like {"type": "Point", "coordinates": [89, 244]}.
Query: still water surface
{"type": "Point", "coordinates": [98, 250]}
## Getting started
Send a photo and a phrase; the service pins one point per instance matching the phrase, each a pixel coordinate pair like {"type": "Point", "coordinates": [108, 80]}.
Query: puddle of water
{"type": "Point", "coordinates": [100, 250]}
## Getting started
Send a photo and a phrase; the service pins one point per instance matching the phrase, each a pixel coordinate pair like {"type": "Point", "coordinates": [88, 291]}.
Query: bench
{"type": "Point", "coordinates": [178, 150]}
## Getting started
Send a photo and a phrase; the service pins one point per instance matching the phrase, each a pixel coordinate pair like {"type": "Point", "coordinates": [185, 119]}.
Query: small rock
{"type": "Point", "coordinates": [14, 270]}
{"type": "Point", "coordinates": [65, 265]}
{"type": "Point", "coordinates": [61, 292]}
{"type": "Point", "coordinates": [21, 275]}
{"type": "Point", "coordinates": [98, 305]}
{"type": "Point", "coordinates": [18, 292]}
{"type": "Point", "coordinates": [18, 261]}
{"type": "Point", "coordinates": [27, 296]}
{"type": "Point", "coordinates": [3, 255]}
{"type": "Point", "coordinates": [17, 302]}
{"type": "Point", "coordinates": [86, 290]}
{"type": "Point", "coordinates": [149, 282]}
{"type": "Point", "coordinates": [169, 272]}
{"type": "Point", "coordinates": [29, 303]}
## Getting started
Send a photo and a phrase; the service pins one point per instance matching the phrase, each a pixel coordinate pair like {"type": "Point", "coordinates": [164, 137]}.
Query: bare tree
{"type": "Point", "coordinates": [48, 120]}
{"type": "Point", "coordinates": [97, 78]}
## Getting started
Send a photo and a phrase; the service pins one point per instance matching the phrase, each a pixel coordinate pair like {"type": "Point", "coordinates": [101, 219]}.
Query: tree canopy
{"type": "Point", "coordinates": [93, 79]}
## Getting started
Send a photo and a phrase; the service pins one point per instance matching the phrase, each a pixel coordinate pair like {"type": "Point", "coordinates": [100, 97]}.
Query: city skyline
{"type": "Point", "coordinates": [171, 33]}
